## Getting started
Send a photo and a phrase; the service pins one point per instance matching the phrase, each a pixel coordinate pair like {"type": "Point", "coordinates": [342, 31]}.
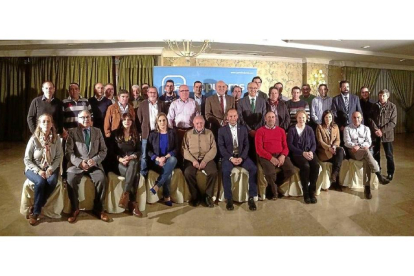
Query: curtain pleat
{"type": "Point", "coordinates": [135, 70]}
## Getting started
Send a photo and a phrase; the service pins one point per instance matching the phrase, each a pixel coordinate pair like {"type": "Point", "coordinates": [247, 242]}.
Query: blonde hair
{"type": "Point", "coordinates": [38, 131]}
{"type": "Point", "coordinates": [160, 114]}
{"type": "Point", "coordinates": [303, 112]}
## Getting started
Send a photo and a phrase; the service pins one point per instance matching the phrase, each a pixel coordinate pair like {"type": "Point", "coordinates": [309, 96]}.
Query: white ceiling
{"type": "Point", "coordinates": [384, 52]}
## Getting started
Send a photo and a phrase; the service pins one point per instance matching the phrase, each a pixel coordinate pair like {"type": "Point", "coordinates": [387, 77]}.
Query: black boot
{"type": "Point", "coordinates": [367, 192]}
{"type": "Point", "coordinates": [382, 179]}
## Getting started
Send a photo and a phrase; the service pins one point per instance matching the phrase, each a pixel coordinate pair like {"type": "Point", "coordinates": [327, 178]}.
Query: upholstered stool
{"type": "Point", "coordinates": [351, 175]}
{"type": "Point", "coordinates": [178, 189]}
{"type": "Point", "coordinates": [240, 185]}
{"type": "Point", "coordinates": [86, 195]}
{"type": "Point", "coordinates": [324, 181]}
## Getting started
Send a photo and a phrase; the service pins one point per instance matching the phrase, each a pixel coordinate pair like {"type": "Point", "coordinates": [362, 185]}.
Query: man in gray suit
{"type": "Point", "coordinates": [252, 110]}
{"type": "Point", "coordinates": [85, 150]}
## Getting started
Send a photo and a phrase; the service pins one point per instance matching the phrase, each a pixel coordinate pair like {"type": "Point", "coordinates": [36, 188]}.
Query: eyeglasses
{"type": "Point", "coordinates": [84, 118]}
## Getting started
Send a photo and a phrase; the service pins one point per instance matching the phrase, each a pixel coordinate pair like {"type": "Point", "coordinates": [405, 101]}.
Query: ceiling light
{"type": "Point", "coordinates": [365, 47]}
{"type": "Point", "coordinates": [402, 59]}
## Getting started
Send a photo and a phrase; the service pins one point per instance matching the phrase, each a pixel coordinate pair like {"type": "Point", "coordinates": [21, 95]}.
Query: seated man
{"type": "Point", "coordinates": [199, 150]}
{"type": "Point", "coordinates": [357, 138]}
{"type": "Point", "coordinates": [233, 143]}
{"type": "Point", "coordinates": [85, 149]}
{"type": "Point", "coordinates": [272, 149]}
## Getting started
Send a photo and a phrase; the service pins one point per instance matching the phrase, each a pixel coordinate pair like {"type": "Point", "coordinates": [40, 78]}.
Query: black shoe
{"type": "Point", "coordinates": [338, 187]}
{"type": "Point", "coordinates": [307, 200]}
{"type": "Point", "coordinates": [382, 179]}
{"type": "Point", "coordinates": [390, 177]}
{"type": "Point", "coordinates": [195, 202]}
{"type": "Point", "coordinates": [313, 200]}
{"type": "Point", "coordinates": [252, 205]}
{"type": "Point", "coordinates": [367, 192]}
{"type": "Point", "coordinates": [229, 205]}
{"type": "Point", "coordinates": [209, 201]}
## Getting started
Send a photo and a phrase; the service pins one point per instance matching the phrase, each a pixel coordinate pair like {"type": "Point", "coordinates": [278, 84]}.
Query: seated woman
{"type": "Point", "coordinates": [42, 159]}
{"type": "Point", "coordinates": [302, 146]}
{"type": "Point", "coordinates": [126, 143]}
{"type": "Point", "coordinates": [328, 149]}
{"type": "Point", "coordinates": [162, 149]}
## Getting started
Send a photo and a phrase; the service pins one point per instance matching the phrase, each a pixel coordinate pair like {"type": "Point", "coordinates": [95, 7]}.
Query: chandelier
{"type": "Point", "coordinates": [188, 49]}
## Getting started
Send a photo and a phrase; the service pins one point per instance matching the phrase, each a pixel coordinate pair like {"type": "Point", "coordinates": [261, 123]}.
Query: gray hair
{"type": "Point", "coordinates": [384, 91]}
{"type": "Point", "coordinates": [136, 86]}
{"type": "Point", "coordinates": [84, 111]}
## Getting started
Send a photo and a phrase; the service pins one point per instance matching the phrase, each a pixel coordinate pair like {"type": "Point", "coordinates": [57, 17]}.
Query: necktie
{"type": "Point", "coordinates": [252, 105]}
{"type": "Point", "coordinates": [87, 139]}
{"type": "Point", "coordinates": [346, 104]}
{"type": "Point", "coordinates": [222, 103]}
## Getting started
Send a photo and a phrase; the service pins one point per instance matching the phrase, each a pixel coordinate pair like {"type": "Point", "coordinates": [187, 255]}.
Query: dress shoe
{"type": "Point", "coordinates": [229, 205]}
{"type": "Point", "coordinates": [252, 204]}
{"type": "Point", "coordinates": [313, 200]}
{"type": "Point", "coordinates": [367, 192]}
{"type": "Point", "coordinates": [307, 200]}
{"type": "Point", "coordinates": [123, 201]}
{"type": "Point", "coordinates": [209, 201]}
{"type": "Point", "coordinates": [136, 212]}
{"type": "Point", "coordinates": [381, 179]}
{"type": "Point", "coordinates": [104, 217]}
{"type": "Point", "coordinates": [390, 177]}
{"type": "Point", "coordinates": [33, 219]}
{"type": "Point", "coordinates": [31, 209]}
{"type": "Point", "coordinates": [168, 203]}
{"type": "Point", "coordinates": [280, 192]}
{"type": "Point", "coordinates": [338, 187]}
{"type": "Point", "coordinates": [74, 216]}
{"type": "Point", "coordinates": [334, 176]}
{"type": "Point", "coordinates": [195, 202]}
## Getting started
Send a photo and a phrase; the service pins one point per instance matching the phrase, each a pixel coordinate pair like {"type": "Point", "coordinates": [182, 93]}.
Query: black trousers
{"type": "Point", "coordinates": [389, 154]}
{"type": "Point", "coordinates": [309, 171]}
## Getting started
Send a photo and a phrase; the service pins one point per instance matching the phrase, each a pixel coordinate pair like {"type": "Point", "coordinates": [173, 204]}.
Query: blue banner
{"type": "Point", "coordinates": [207, 75]}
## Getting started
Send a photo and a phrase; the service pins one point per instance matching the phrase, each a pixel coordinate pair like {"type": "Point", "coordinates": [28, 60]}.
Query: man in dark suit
{"type": "Point", "coordinates": [86, 149]}
{"type": "Point", "coordinates": [344, 105]}
{"type": "Point", "coordinates": [146, 116]}
{"type": "Point", "coordinates": [199, 98]}
{"type": "Point", "coordinates": [251, 111]}
{"type": "Point", "coordinates": [217, 106]}
{"type": "Point", "coordinates": [233, 144]}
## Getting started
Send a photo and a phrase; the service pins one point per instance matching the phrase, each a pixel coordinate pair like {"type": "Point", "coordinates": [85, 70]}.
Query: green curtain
{"type": "Point", "coordinates": [135, 70]}
{"type": "Point", "coordinates": [403, 82]}
{"type": "Point", "coordinates": [13, 99]}
{"type": "Point", "coordinates": [359, 77]}
{"type": "Point", "coordinates": [63, 70]}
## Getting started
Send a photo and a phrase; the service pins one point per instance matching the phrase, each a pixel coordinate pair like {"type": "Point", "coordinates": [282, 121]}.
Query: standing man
{"type": "Point", "coordinates": [344, 105]}
{"type": "Point", "coordinates": [85, 149]}
{"type": "Point", "coordinates": [320, 104]}
{"type": "Point", "coordinates": [217, 106]}
{"type": "Point", "coordinates": [236, 93]}
{"type": "Point", "coordinates": [366, 103]}
{"type": "Point", "coordinates": [233, 144]}
{"type": "Point", "coordinates": [199, 149]}
{"type": "Point", "coordinates": [279, 86]}
{"type": "Point", "coordinates": [136, 97]}
{"type": "Point", "coordinates": [99, 104]}
{"type": "Point", "coordinates": [357, 138]}
{"type": "Point", "coordinates": [383, 121]}
{"type": "Point", "coordinates": [258, 81]}
{"type": "Point", "coordinates": [272, 148]}
{"type": "Point", "coordinates": [109, 92]}
{"type": "Point", "coordinates": [46, 103]}
{"type": "Point", "coordinates": [146, 117]}
{"type": "Point", "coordinates": [144, 90]}
{"type": "Point", "coordinates": [115, 112]}
{"type": "Point", "coordinates": [306, 94]}
{"type": "Point", "coordinates": [199, 98]}
{"type": "Point", "coordinates": [296, 104]}
{"type": "Point", "coordinates": [169, 95]}
{"type": "Point", "coordinates": [252, 110]}
{"type": "Point", "coordinates": [279, 108]}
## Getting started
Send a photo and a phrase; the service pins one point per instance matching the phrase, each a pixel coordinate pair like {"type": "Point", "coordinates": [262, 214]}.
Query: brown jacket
{"type": "Point", "coordinates": [113, 118]}
{"type": "Point", "coordinates": [143, 117]}
{"type": "Point", "coordinates": [214, 114]}
{"type": "Point", "coordinates": [386, 121]}
{"type": "Point", "coordinates": [201, 147]}
{"type": "Point", "coordinates": [325, 141]}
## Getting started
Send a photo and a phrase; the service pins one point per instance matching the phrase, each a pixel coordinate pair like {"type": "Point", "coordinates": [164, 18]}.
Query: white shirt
{"type": "Point", "coordinates": [123, 110]}
{"type": "Point", "coordinates": [357, 136]}
{"type": "Point", "coordinates": [197, 99]}
{"type": "Point", "coordinates": [233, 130]}
{"type": "Point", "coordinates": [300, 130]}
{"type": "Point", "coordinates": [153, 112]}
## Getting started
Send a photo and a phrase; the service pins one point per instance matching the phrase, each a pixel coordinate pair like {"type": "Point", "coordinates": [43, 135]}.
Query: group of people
{"type": "Point", "coordinates": [132, 135]}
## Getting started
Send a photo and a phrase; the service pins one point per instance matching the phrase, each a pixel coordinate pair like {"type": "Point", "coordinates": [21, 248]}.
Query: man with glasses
{"type": "Point", "coordinates": [85, 150]}
{"type": "Point", "coordinates": [258, 81]}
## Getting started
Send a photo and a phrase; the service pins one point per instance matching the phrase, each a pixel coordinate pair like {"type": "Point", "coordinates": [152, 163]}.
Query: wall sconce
{"type": "Point", "coordinates": [317, 79]}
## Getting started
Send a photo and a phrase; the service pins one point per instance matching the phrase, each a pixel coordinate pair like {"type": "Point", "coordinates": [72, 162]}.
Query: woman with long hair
{"type": "Point", "coordinates": [42, 159]}
{"type": "Point", "coordinates": [127, 147]}
{"type": "Point", "coordinates": [328, 149]}
{"type": "Point", "coordinates": [162, 151]}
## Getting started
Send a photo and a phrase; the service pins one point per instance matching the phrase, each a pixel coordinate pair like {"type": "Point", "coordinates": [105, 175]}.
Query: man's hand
{"type": "Point", "coordinates": [84, 165]}
{"type": "Point", "coordinates": [281, 159]}
{"type": "Point", "coordinates": [378, 133]}
{"type": "Point", "coordinates": [92, 162]}
{"type": "Point", "coordinates": [196, 164]}
{"type": "Point", "coordinates": [252, 133]}
{"type": "Point", "coordinates": [65, 134]}
{"type": "Point", "coordinates": [202, 165]}
{"type": "Point", "coordinates": [274, 161]}
{"type": "Point", "coordinates": [355, 148]}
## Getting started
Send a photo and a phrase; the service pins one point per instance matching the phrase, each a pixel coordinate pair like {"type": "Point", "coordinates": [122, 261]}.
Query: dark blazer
{"type": "Point", "coordinates": [283, 115]}
{"type": "Point", "coordinates": [214, 114]}
{"type": "Point", "coordinates": [143, 122]}
{"type": "Point", "coordinates": [76, 149]}
{"type": "Point", "coordinates": [154, 143]}
{"type": "Point", "coordinates": [338, 109]}
{"type": "Point", "coordinates": [389, 121]}
{"type": "Point", "coordinates": [203, 104]}
{"type": "Point", "coordinates": [260, 93]}
{"type": "Point", "coordinates": [252, 120]}
{"type": "Point", "coordinates": [298, 144]}
{"type": "Point", "coordinates": [225, 142]}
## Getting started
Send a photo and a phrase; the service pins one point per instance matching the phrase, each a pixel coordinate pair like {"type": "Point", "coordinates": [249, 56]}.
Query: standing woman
{"type": "Point", "coordinates": [127, 151]}
{"type": "Point", "coordinates": [162, 151]}
{"type": "Point", "coordinates": [42, 159]}
{"type": "Point", "coordinates": [302, 146]}
{"type": "Point", "coordinates": [328, 149]}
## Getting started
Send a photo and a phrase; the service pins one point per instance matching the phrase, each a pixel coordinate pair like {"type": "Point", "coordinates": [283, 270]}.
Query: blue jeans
{"type": "Point", "coordinates": [43, 188]}
{"type": "Point", "coordinates": [164, 179]}
{"type": "Point", "coordinates": [144, 165]}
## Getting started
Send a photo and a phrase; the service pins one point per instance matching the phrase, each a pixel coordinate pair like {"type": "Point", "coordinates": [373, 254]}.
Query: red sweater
{"type": "Point", "coordinates": [271, 141]}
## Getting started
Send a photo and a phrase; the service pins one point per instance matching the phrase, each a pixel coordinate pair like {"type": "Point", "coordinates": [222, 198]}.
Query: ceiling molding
{"type": "Point", "coordinates": [317, 60]}
{"type": "Point", "coordinates": [250, 57]}
{"type": "Point", "coordinates": [371, 65]}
